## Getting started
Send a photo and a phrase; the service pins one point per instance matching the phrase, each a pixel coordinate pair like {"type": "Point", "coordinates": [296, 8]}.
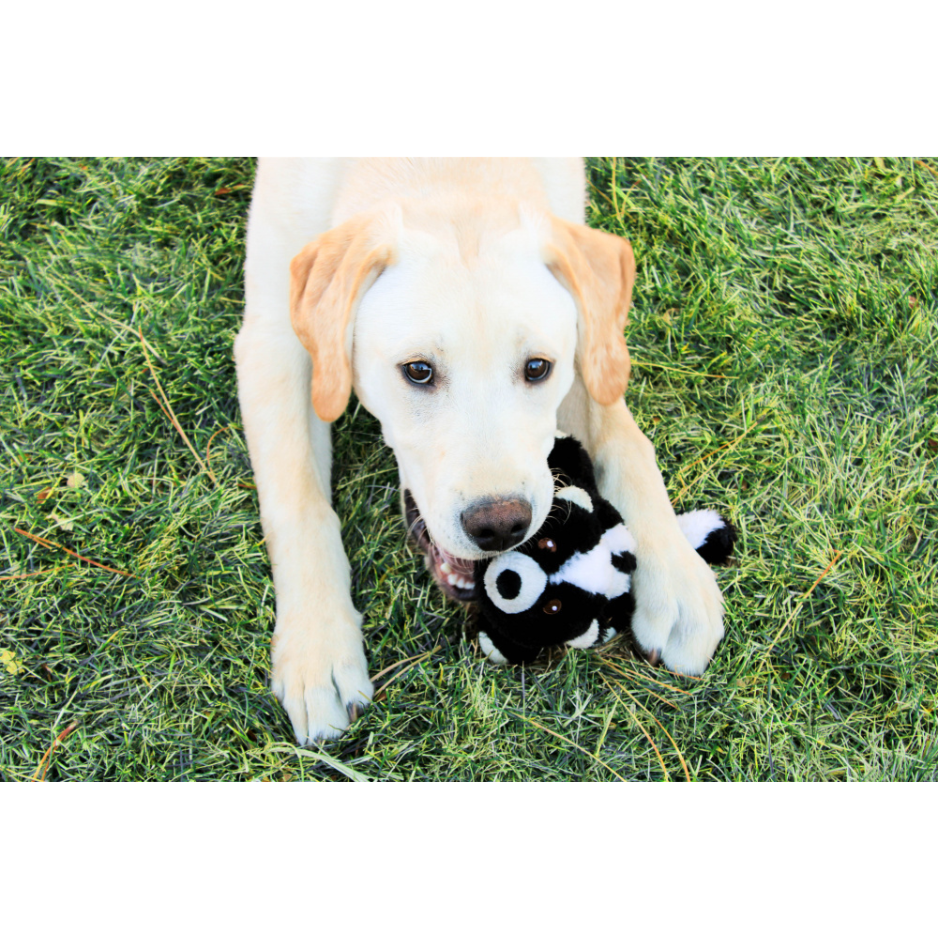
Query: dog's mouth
{"type": "Point", "coordinates": [454, 575]}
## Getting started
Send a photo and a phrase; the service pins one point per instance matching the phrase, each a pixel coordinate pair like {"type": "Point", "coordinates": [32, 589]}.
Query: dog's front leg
{"type": "Point", "coordinates": [318, 664]}
{"type": "Point", "coordinates": [678, 606]}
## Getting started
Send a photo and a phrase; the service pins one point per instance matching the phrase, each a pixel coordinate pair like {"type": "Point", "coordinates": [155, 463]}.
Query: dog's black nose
{"type": "Point", "coordinates": [496, 523]}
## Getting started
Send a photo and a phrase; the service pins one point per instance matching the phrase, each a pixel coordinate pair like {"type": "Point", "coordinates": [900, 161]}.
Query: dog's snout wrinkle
{"type": "Point", "coordinates": [497, 523]}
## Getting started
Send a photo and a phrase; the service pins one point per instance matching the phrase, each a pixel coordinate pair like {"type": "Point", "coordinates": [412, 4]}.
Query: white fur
{"type": "Point", "coordinates": [573, 493]}
{"type": "Point", "coordinates": [478, 316]}
{"type": "Point", "coordinates": [588, 638]}
{"type": "Point", "coordinates": [492, 654]}
{"type": "Point", "coordinates": [533, 581]}
{"type": "Point", "coordinates": [619, 540]}
{"type": "Point", "coordinates": [593, 572]}
{"type": "Point", "coordinates": [696, 525]}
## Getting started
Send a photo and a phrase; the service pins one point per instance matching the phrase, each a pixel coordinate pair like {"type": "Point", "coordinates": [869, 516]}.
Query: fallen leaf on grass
{"type": "Point", "coordinates": [75, 481]}
{"type": "Point", "coordinates": [9, 661]}
{"type": "Point", "coordinates": [66, 524]}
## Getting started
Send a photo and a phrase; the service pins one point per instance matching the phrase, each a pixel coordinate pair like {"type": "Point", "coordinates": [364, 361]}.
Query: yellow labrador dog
{"type": "Point", "coordinates": [475, 315]}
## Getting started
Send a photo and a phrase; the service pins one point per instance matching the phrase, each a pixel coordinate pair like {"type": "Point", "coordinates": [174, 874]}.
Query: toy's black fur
{"type": "Point", "coordinates": [718, 546]}
{"type": "Point", "coordinates": [563, 611]}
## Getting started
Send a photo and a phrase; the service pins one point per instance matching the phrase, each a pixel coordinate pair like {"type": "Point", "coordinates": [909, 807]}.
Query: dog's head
{"type": "Point", "coordinates": [462, 335]}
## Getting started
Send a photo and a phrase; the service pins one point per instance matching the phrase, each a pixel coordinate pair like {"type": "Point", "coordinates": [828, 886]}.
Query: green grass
{"type": "Point", "coordinates": [807, 290]}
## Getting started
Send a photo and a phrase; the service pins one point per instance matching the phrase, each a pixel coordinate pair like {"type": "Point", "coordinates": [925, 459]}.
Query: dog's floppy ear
{"type": "Point", "coordinates": [598, 269]}
{"type": "Point", "coordinates": [327, 280]}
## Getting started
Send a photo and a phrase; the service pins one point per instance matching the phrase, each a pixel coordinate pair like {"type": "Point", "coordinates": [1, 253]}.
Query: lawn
{"type": "Point", "coordinates": [784, 339]}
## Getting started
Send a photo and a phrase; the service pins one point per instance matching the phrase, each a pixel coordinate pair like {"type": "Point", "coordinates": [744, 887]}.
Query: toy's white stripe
{"type": "Point", "coordinates": [588, 638]}
{"type": "Point", "coordinates": [696, 525]}
{"type": "Point", "coordinates": [573, 493]}
{"type": "Point", "coordinates": [490, 651]}
{"type": "Point", "coordinates": [619, 539]}
{"type": "Point", "coordinates": [593, 572]}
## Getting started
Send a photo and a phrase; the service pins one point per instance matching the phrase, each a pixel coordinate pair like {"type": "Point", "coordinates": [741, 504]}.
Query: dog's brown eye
{"type": "Point", "coordinates": [547, 543]}
{"type": "Point", "coordinates": [537, 369]}
{"type": "Point", "coordinates": [552, 606]}
{"type": "Point", "coordinates": [418, 372]}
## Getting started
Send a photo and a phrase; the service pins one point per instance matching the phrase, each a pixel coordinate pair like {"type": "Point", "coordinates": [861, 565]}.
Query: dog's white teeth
{"type": "Point", "coordinates": [461, 582]}
{"type": "Point", "coordinates": [445, 568]}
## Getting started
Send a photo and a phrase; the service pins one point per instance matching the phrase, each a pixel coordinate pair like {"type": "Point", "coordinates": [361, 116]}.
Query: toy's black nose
{"type": "Point", "coordinates": [496, 523]}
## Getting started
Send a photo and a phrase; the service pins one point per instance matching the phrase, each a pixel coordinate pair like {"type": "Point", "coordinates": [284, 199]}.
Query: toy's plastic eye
{"type": "Point", "coordinates": [552, 607]}
{"type": "Point", "coordinates": [547, 543]}
{"type": "Point", "coordinates": [514, 582]}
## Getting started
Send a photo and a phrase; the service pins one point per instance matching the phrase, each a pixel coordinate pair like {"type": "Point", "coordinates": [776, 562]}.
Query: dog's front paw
{"type": "Point", "coordinates": [678, 615]}
{"type": "Point", "coordinates": [320, 677]}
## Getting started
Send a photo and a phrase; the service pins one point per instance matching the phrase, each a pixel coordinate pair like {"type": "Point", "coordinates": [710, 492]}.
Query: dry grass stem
{"type": "Point", "coordinates": [677, 749]}
{"type": "Point", "coordinates": [801, 602]}
{"type": "Point", "coordinates": [168, 410]}
{"type": "Point", "coordinates": [570, 742]}
{"type": "Point", "coordinates": [46, 760]}
{"type": "Point", "coordinates": [638, 723]}
{"type": "Point", "coordinates": [45, 542]}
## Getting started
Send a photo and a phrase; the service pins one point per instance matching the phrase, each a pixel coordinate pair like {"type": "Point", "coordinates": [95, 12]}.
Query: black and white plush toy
{"type": "Point", "coordinates": [570, 584]}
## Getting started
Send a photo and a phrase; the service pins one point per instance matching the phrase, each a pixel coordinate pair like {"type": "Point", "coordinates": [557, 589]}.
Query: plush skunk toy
{"type": "Point", "coordinates": [571, 583]}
